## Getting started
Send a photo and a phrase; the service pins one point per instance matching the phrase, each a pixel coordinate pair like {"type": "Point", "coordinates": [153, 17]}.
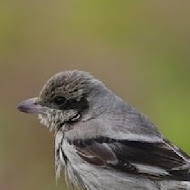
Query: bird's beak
{"type": "Point", "coordinates": [31, 106]}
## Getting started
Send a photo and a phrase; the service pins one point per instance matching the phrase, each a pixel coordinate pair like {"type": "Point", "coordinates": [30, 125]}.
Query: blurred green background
{"type": "Point", "coordinates": [140, 49]}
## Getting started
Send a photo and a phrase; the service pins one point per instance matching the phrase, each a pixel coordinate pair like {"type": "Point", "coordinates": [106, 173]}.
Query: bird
{"type": "Point", "coordinates": [101, 141]}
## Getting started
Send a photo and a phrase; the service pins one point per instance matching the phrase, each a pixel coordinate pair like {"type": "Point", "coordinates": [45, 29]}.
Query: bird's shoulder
{"type": "Point", "coordinates": [123, 123]}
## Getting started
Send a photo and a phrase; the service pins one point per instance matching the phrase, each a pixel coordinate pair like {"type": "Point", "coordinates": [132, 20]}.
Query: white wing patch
{"type": "Point", "coordinates": [151, 170]}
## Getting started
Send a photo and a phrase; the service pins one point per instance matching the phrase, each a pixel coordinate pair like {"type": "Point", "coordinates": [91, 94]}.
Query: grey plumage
{"type": "Point", "coordinates": [102, 142]}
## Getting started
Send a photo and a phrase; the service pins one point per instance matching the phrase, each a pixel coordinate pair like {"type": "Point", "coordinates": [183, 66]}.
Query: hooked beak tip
{"type": "Point", "coordinates": [21, 108]}
{"type": "Point", "coordinates": [31, 106]}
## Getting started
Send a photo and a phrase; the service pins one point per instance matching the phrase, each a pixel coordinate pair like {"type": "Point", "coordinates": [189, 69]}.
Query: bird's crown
{"type": "Point", "coordinates": [71, 84]}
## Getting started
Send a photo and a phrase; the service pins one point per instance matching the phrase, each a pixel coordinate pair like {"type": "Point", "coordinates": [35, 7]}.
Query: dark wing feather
{"type": "Point", "coordinates": [163, 160]}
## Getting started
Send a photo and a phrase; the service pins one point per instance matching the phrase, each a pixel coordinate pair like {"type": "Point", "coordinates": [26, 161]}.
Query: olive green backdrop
{"type": "Point", "coordinates": [140, 49]}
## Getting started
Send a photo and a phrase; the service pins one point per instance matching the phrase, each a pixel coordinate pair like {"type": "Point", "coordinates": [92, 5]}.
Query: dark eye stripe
{"type": "Point", "coordinates": [81, 105]}
{"type": "Point", "coordinates": [59, 100]}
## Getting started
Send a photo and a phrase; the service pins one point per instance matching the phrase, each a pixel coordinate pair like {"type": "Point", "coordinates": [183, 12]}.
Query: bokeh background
{"type": "Point", "coordinates": [140, 49]}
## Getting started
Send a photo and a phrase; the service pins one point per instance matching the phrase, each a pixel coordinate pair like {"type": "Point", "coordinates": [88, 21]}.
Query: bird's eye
{"type": "Point", "coordinates": [60, 100]}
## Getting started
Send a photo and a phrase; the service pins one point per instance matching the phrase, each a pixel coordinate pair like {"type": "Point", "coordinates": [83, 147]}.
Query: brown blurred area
{"type": "Point", "coordinates": [140, 49]}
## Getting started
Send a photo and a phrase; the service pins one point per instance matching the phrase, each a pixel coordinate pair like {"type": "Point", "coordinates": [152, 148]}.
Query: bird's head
{"type": "Point", "coordinates": [66, 98]}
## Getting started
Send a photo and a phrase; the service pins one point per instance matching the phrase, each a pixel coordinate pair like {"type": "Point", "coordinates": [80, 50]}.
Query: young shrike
{"type": "Point", "coordinates": [102, 142]}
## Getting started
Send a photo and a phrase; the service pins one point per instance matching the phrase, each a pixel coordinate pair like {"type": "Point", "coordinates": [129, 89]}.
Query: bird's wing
{"type": "Point", "coordinates": [153, 160]}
